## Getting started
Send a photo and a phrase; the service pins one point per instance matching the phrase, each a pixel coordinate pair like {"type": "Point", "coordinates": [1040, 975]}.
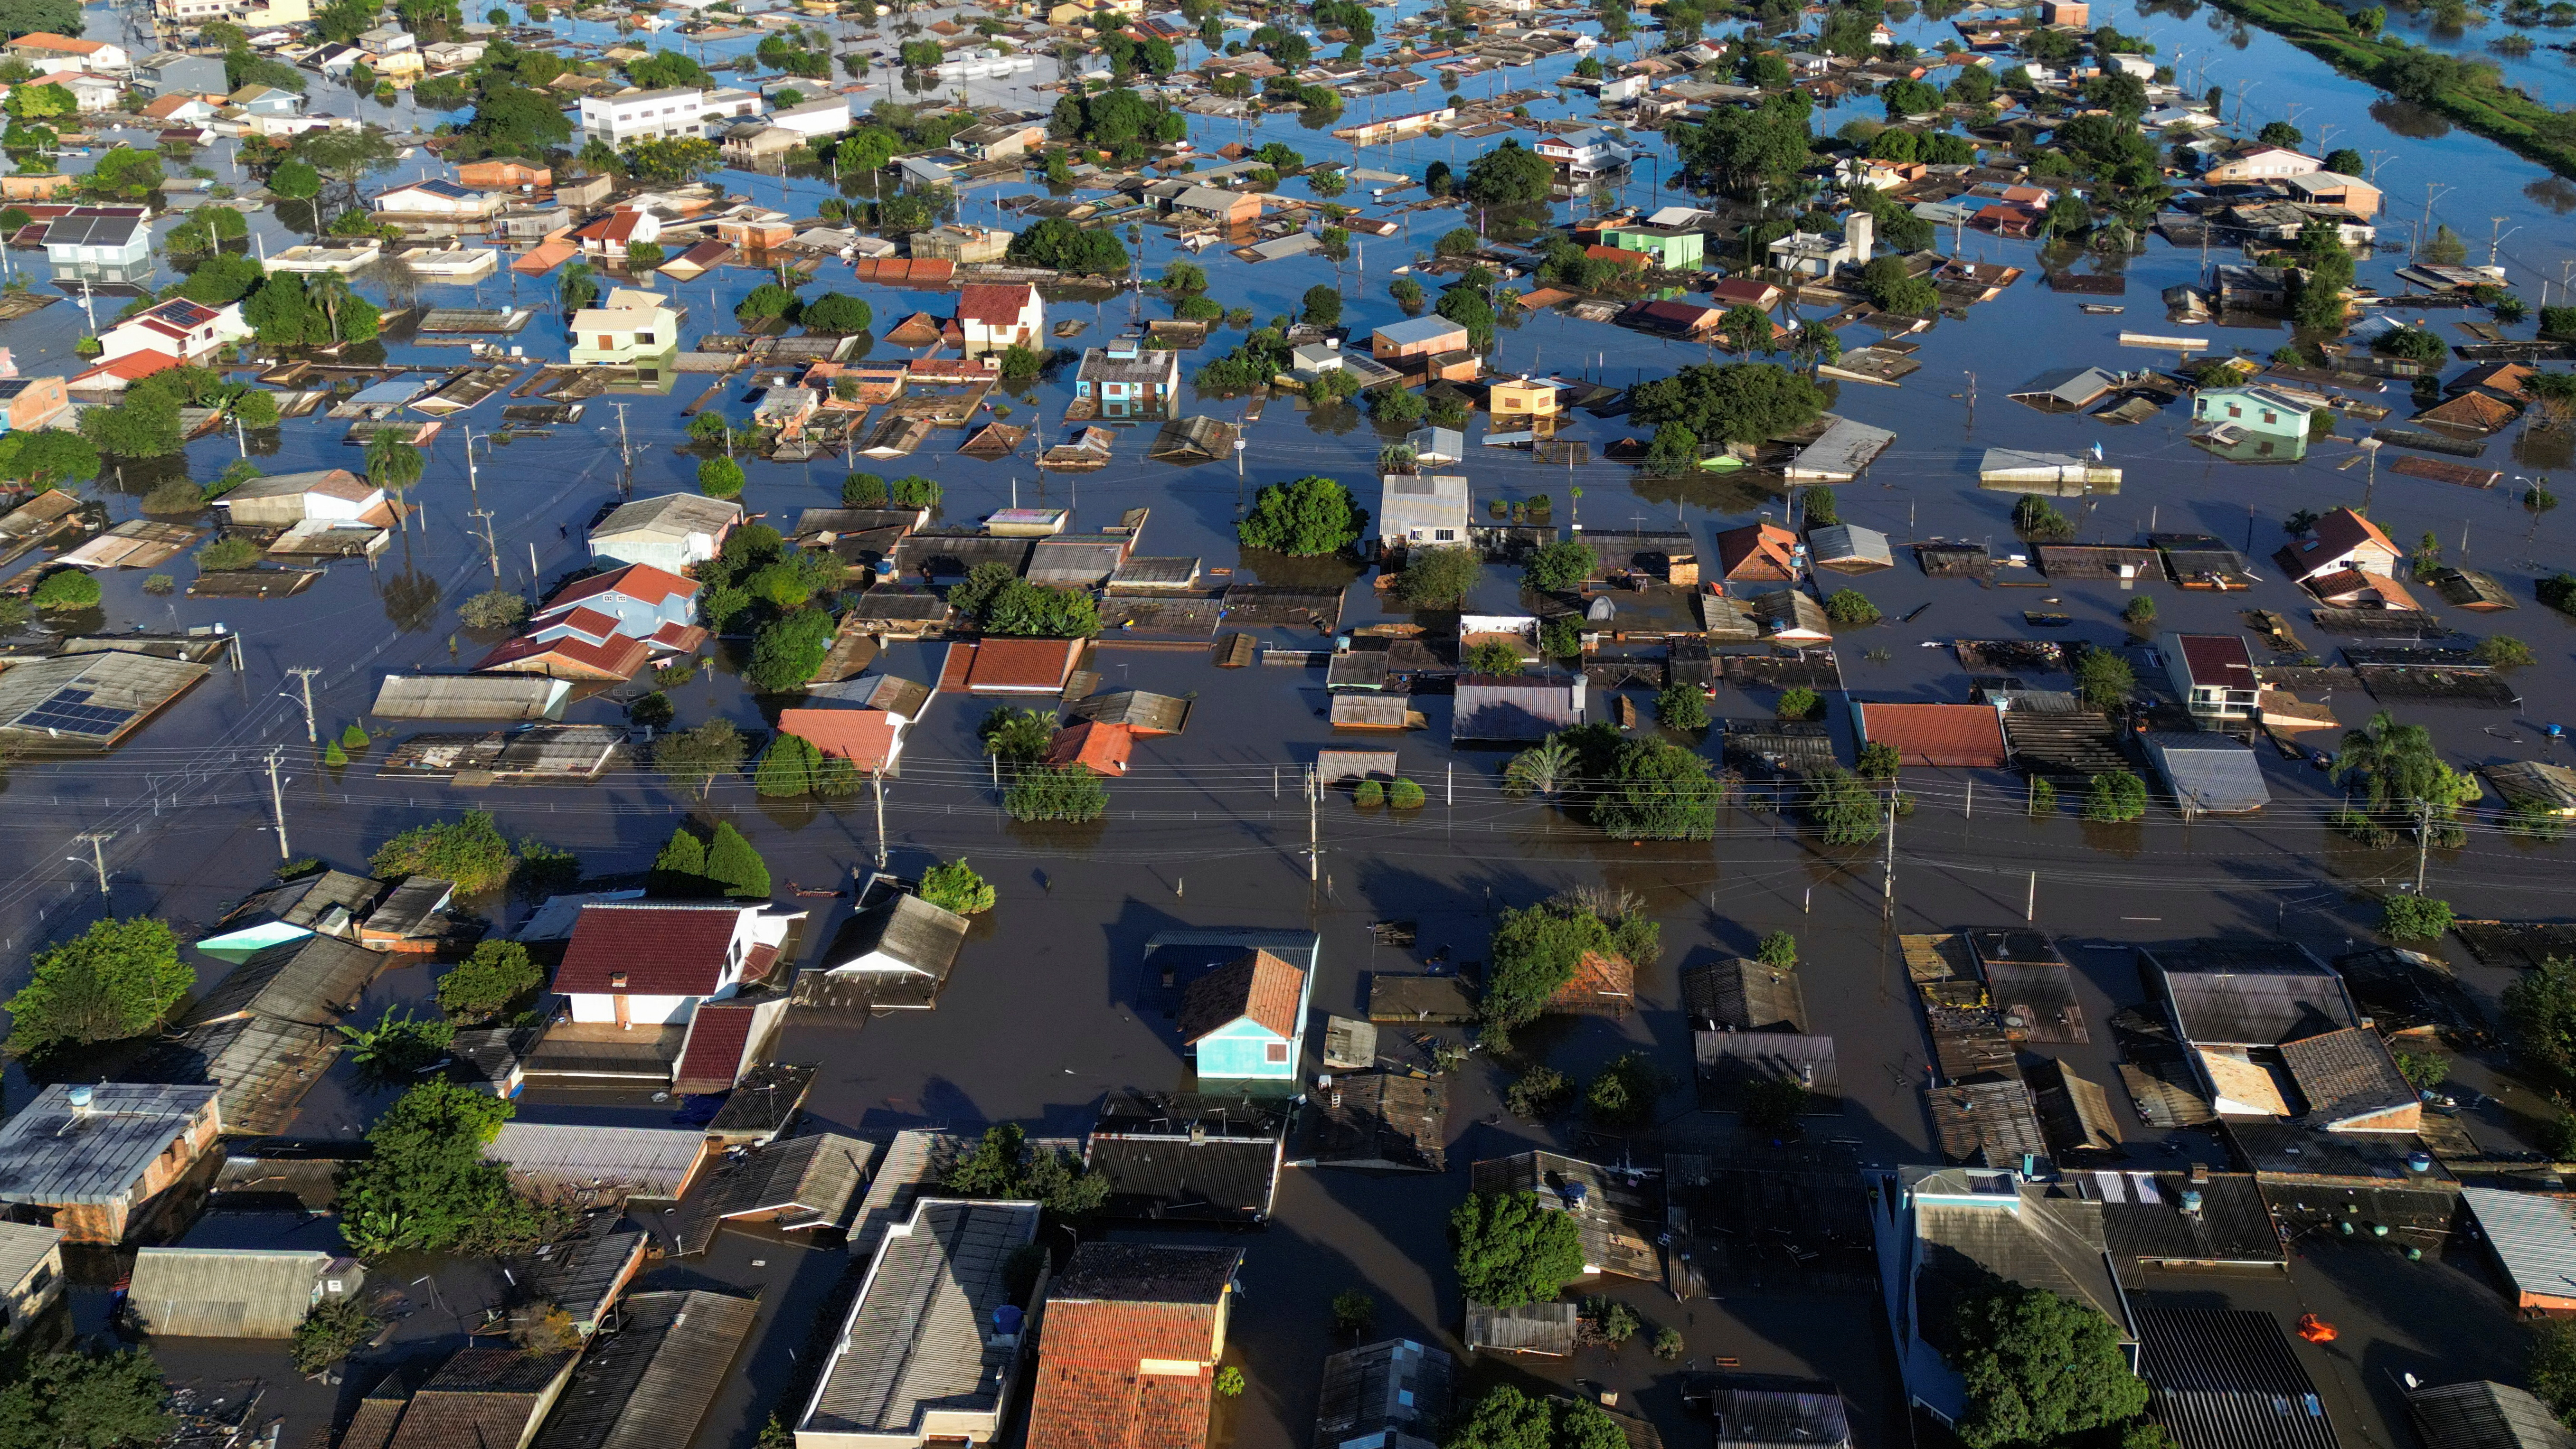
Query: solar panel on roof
{"type": "Point", "coordinates": [68, 710]}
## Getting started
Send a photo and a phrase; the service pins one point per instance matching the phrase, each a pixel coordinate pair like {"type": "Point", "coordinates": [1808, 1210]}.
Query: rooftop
{"type": "Point", "coordinates": [915, 1339]}
{"type": "Point", "coordinates": [57, 1153]}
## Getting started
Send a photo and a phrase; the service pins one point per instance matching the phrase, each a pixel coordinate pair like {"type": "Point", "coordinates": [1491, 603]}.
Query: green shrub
{"type": "Point", "coordinates": [67, 589]}
{"type": "Point", "coordinates": [1799, 703]}
{"type": "Point", "coordinates": [2115, 799]}
{"type": "Point", "coordinates": [1369, 795]}
{"type": "Point", "coordinates": [954, 886]}
{"type": "Point", "coordinates": [226, 554]}
{"type": "Point", "coordinates": [2414, 918]}
{"type": "Point", "coordinates": [1404, 795]}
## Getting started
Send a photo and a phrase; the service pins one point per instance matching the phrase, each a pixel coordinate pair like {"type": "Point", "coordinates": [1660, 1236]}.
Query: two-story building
{"type": "Point", "coordinates": [1128, 380]}
{"type": "Point", "coordinates": [629, 326]}
{"type": "Point", "coordinates": [2260, 411]}
{"type": "Point", "coordinates": [434, 201]}
{"type": "Point", "coordinates": [2260, 163]}
{"type": "Point", "coordinates": [188, 332]}
{"type": "Point", "coordinates": [2213, 673]}
{"type": "Point", "coordinates": [650, 963]}
{"type": "Point", "coordinates": [2339, 541]}
{"type": "Point", "coordinates": [99, 236]}
{"type": "Point", "coordinates": [1592, 151]}
{"type": "Point", "coordinates": [996, 316]}
{"type": "Point", "coordinates": [47, 51]}
{"type": "Point", "coordinates": [658, 115]}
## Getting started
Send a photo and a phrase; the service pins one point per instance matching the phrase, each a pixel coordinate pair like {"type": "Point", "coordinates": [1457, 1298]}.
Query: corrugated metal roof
{"type": "Point", "coordinates": [2533, 1234]}
{"type": "Point", "coordinates": [2227, 1379]}
{"type": "Point", "coordinates": [2486, 1415]}
{"type": "Point", "coordinates": [915, 1338]}
{"type": "Point", "coordinates": [22, 1247]}
{"type": "Point", "coordinates": [647, 1161]}
{"type": "Point", "coordinates": [471, 696]}
{"type": "Point", "coordinates": [235, 1292]}
{"type": "Point", "coordinates": [651, 1382]}
{"type": "Point", "coordinates": [56, 1153]}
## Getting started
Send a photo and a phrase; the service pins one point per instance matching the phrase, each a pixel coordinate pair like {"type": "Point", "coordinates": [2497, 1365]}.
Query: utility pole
{"type": "Point", "coordinates": [2423, 840]}
{"type": "Point", "coordinates": [1887, 870]}
{"type": "Point", "coordinates": [304, 678]}
{"type": "Point", "coordinates": [277, 802]}
{"type": "Point", "coordinates": [879, 780]}
{"type": "Point", "coordinates": [97, 841]}
{"type": "Point", "coordinates": [491, 548]}
{"type": "Point", "coordinates": [1314, 827]}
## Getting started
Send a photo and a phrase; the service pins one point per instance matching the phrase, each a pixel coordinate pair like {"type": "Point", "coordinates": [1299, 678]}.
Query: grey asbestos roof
{"type": "Point", "coordinates": [915, 1338]}
{"type": "Point", "coordinates": [651, 1382]}
{"type": "Point", "coordinates": [54, 1153]}
{"type": "Point", "coordinates": [311, 980]}
{"type": "Point", "coordinates": [582, 1276]}
{"type": "Point", "coordinates": [1745, 994]}
{"type": "Point", "coordinates": [647, 1161]}
{"type": "Point", "coordinates": [922, 936]}
{"type": "Point", "coordinates": [1848, 543]}
{"type": "Point", "coordinates": [1541, 1328]}
{"type": "Point", "coordinates": [22, 1247]}
{"type": "Point", "coordinates": [2533, 1234]}
{"type": "Point", "coordinates": [2227, 1379]}
{"type": "Point", "coordinates": [303, 900]}
{"type": "Point", "coordinates": [2486, 1415]}
{"type": "Point", "coordinates": [2209, 774]}
{"type": "Point", "coordinates": [807, 1182]}
{"type": "Point", "coordinates": [673, 515]}
{"type": "Point", "coordinates": [1751, 1417]}
{"type": "Point", "coordinates": [1397, 1385]}
{"type": "Point", "coordinates": [233, 1292]}
{"type": "Point", "coordinates": [2223, 997]}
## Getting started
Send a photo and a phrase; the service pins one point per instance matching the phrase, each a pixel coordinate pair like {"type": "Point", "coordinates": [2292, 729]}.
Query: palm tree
{"type": "Point", "coordinates": [578, 286]}
{"type": "Point", "coordinates": [393, 464]}
{"type": "Point", "coordinates": [327, 291]}
{"type": "Point", "coordinates": [1545, 768]}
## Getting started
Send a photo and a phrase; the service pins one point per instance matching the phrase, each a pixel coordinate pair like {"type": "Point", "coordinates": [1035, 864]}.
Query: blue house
{"type": "Point", "coordinates": [1243, 1019]}
{"type": "Point", "coordinates": [1126, 380]}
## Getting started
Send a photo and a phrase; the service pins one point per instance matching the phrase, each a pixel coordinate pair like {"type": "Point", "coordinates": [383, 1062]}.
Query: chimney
{"type": "Point", "coordinates": [2200, 1172]}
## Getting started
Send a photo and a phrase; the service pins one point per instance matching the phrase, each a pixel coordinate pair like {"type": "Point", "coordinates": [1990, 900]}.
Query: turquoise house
{"type": "Point", "coordinates": [1244, 1017]}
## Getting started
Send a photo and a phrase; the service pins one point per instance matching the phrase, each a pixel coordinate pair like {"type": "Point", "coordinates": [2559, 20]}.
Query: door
{"type": "Point", "coordinates": [624, 1021]}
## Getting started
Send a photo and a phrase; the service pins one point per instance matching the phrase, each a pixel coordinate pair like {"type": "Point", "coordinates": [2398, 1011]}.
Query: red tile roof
{"type": "Point", "coordinates": [1763, 551]}
{"type": "Point", "coordinates": [132, 367]}
{"type": "Point", "coordinates": [1255, 984]}
{"type": "Point", "coordinates": [1598, 977]}
{"type": "Point", "coordinates": [1101, 748]}
{"type": "Point", "coordinates": [661, 949]}
{"type": "Point", "coordinates": [993, 304]}
{"type": "Point", "coordinates": [2217, 661]}
{"type": "Point", "coordinates": [718, 1035]}
{"type": "Point", "coordinates": [1954, 735]}
{"type": "Point", "coordinates": [864, 737]}
{"type": "Point", "coordinates": [590, 623]}
{"type": "Point", "coordinates": [571, 657]}
{"type": "Point", "coordinates": [1088, 1406]}
{"type": "Point", "coordinates": [641, 582]}
{"type": "Point", "coordinates": [1021, 665]}
{"type": "Point", "coordinates": [686, 638]}
{"type": "Point", "coordinates": [1745, 289]}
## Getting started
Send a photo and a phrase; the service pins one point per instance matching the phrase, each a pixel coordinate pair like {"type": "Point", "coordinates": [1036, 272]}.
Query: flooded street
{"type": "Point", "coordinates": [1047, 1010]}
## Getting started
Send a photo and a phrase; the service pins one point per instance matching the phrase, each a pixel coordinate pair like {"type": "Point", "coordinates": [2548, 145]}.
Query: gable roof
{"type": "Point", "coordinates": [2486, 1415]}
{"type": "Point", "coordinates": [2346, 1075]}
{"type": "Point", "coordinates": [1255, 984]}
{"type": "Point", "coordinates": [914, 1343]}
{"type": "Point", "coordinates": [2250, 993]}
{"type": "Point", "coordinates": [1758, 551]}
{"type": "Point", "coordinates": [993, 303]}
{"type": "Point", "coordinates": [1956, 735]}
{"type": "Point", "coordinates": [1095, 745]}
{"type": "Point", "coordinates": [641, 582]}
{"type": "Point", "coordinates": [233, 1292]}
{"type": "Point", "coordinates": [651, 1382]}
{"type": "Point", "coordinates": [864, 737]}
{"type": "Point", "coordinates": [910, 930]}
{"type": "Point", "coordinates": [673, 515]}
{"type": "Point", "coordinates": [659, 948]}
{"type": "Point", "coordinates": [311, 979]}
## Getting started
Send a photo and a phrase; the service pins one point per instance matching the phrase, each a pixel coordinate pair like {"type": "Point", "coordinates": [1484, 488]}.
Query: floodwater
{"type": "Point", "coordinates": [1044, 1014]}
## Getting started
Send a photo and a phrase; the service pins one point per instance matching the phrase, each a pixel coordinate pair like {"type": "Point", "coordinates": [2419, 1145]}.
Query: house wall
{"type": "Point", "coordinates": [601, 1009]}
{"type": "Point", "coordinates": [37, 402]}
{"type": "Point", "coordinates": [670, 555]}
{"type": "Point", "coordinates": [33, 1294]}
{"type": "Point", "coordinates": [1242, 1050]}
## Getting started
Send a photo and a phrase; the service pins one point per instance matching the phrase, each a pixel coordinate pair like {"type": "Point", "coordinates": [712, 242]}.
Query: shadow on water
{"type": "Point", "coordinates": [2409, 120]}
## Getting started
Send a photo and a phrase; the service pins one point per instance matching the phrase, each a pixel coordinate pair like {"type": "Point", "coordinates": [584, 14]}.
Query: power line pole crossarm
{"type": "Point", "coordinates": [97, 841]}
{"type": "Point", "coordinates": [304, 679]}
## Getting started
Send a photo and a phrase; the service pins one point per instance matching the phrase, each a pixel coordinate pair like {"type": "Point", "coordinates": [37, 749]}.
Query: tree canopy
{"type": "Point", "coordinates": [2039, 1368]}
{"type": "Point", "coordinates": [1536, 950]}
{"type": "Point", "coordinates": [469, 852]}
{"type": "Point", "coordinates": [113, 981]}
{"type": "Point", "coordinates": [1511, 1250]}
{"type": "Point", "coordinates": [425, 1184]}
{"type": "Point", "coordinates": [1732, 402]}
{"type": "Point", "coordinates": [1053, 242]}
{"type": "Point", "coordinates": [89, 1401]}
{"type": "Point", "coordinates": [1003, 1166]}
{"type": "Point", "coordinates": [1308, 516]}
{"type": "Point", "coordinates": [497, 976]}
{"type": "Point", "coordinates": [1509, 176]}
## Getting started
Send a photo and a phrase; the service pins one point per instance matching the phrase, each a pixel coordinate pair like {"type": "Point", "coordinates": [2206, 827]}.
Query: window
{"type": "Point", "coordinates": [1444, 535]}
{"type": "Point", "coordinates": [2234, 411]}
{"type": "Point", "coordinates": [1275, 1052]}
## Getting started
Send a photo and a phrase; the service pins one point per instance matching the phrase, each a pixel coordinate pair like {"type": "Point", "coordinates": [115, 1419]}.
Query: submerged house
{"type": "Point", "coordinates": [653, 962]}
{"type": "Point", "coordinates": [1243, 1020]}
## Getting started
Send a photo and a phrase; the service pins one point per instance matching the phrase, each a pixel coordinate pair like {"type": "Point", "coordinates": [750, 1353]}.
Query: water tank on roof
{"type": "Point", "coordinates": [1601, 611]}
{"type": "Point", "coordinates": [1007, 1318]}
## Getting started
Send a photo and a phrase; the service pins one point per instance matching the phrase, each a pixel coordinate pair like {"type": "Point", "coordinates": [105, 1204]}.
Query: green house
{"type": "Point", "coordinates": [1675, 249]}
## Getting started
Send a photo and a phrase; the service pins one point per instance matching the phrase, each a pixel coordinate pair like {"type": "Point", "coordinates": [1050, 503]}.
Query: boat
{"type": "Point", "coordinates": [2102, 309]}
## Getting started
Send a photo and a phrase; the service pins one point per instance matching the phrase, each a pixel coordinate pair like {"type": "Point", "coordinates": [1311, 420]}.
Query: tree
{"type": "Point", "coordinates": [2104, 679]}
{"type": "Point", "coordinates": [1490, 656]}
{"type": "Point", "coordinates": [1537, 949]}
{"type": "Point", "coordinates": [493, 609]}
{"type": "Point", "coordinates": [67, 591]}
{"type": "Point", "coordinates": [1843, 809]}
{"type": "Point", "coordinates": [836, 314]}
{"type": "Point", "coordinates": [1734, 402]}
{"type": "Point", "coordinates": [47, 458]}
{"type": "Point", "coordinates": [1323, 305]}
{"type": "Point", "coordinates": [577, 287]}
{"type": "Point", "coordinates": [720, 477]}
{"type": "Point", "coordinates": [1354, 1312]}
{"type": "Point", "coordinates": [79, 1400]}
{"type": "Point", "coordinates": [733, 866]}
{"type": "Point", "coordinates": [1404, 794]}
{"type": "Point", "coordinates": [425, 1184]}
{"type": "Point", "coordinates": [787, 653]}
{"type": "Point", "coordinates": [393, 464]}
{"type": "Point", "coordinates": [2039, 1369]}
{"type": "Point", "coordinates": [1310, 516]}
{"type": "Point", "coordinates": [1439, 577]}
{"type": "Point", "coordinates": [498, 976]}
{"type": "Point", "coordinates": [1016, 736]}
{"type": "Point", "coordinates": [227, 554]}
{"type": "Point", "coordinates": [1053, 242]}
{"type": "Point", "coordinates": [1558, 566]}
{"type": "Point", "coordinates": [1511, 1250]}
{"type": "Point", "coordinates": [1799, 702]}
{"type": "Point", "coordinates": [1850, 608]}
{"type": "Point", "coordinates": [676, 161]}
{"type": "Point", "coordinates": [2503, 651]}
{"type": "Point", "coordinates": [2540, 1017]}
{"type": "Point", "coordinates": [468, 852]}
{"type": "Point", "coordinates": [1069, 793]}
{"type": "Point", "coordinates": [1545, 768]}
{"type": "Point", "coordinates": [2552, 1368]}
{"type": "Point", "coordinates": [113, 981]}
{"type": "Point", "coordinates": [1891, 287]}
{"type": "Point", "coordinates": [2280, 133]}
{"type": "Point", "coordinates": [1506, 1418]}
{"type": "Point", "coordinates": [1030, 610]}
{"type": "Point", "coordinates": [2404, 773]}
{"type": "Point", "coordinates": [1623, 1096]}
{"type": "Point", "coordinates": [1509, 176]}
{"type": "Point", "coordinates": [954, 886]}
{"type": "Point", "coordinates": [695, 757]}
{"type": "Point", "coordinates": [1004, 1166]}
{"type": "Point", "coordinates": [788, 767]}
{"type": "Point", "coordinates": [2414, 918]}
{"type": "Point", "coordinates": [2115, 799]}
{"type": "Point", "coordinates": [332, 1331]}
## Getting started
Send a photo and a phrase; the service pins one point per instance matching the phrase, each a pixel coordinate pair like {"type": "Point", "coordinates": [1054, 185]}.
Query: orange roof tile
{"type": "Point", "coordinates": [1255, 984]}
{"type": "Point", "coordinates": [864, 737]}
{"type": "Point", "coordinates": [1100, 748]}
{"type": "Point", "coordinates": [1960, 735]}
{"type": "Point", "coordinates": [1021, 666]}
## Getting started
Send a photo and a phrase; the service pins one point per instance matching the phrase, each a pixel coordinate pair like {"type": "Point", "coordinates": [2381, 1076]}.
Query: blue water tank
{"type": "Point", "coordinates": [1006, 1319]}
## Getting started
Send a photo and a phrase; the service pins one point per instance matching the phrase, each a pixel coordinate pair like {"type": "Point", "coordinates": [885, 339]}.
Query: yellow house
{"type": "Point", "coordinates": [1072, 13]}
{"type": "Point", "coordinates": [1523, 398]}
{"type": "Point", "coordinates": [630, 326]}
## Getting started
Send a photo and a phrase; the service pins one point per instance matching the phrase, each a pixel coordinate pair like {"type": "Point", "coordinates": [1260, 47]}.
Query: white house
{"type": "Point", "coordinates": [899, 945]}
{"type": "Point", "coordinates": [1815, 255]}
{"type": "Point", "coordinates": [1588, 152]}
{"type": "Point", "coordinates": [650, 963]}
{"type": "Point", "coordinates": [99, 236]}
{"type": "Point", "coordinates": [995, 316]}
{"type": "Point", "coordinates": [282, 500]}
{"type": "Point", "coordinates": [2261, 163]}
{"type": "Point", "coordinates": [434, 200]}
{"type": "Point", "coordinates": [1418, 510]}
{"type": "Point", "coordinates": [662, 115]}
{"type": "Point", "coordinates": [46, 50]}
{"type": "Point", "coordinates": [827, 117]}
{"type": "Point", "coordinates": [670, 532]}
{"type": "Point", "coordinates": [633, 324]}
{"type": "Point", "coordinates": [181, 329]}
{"type": "Point", "coordinates": [91, 92]}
